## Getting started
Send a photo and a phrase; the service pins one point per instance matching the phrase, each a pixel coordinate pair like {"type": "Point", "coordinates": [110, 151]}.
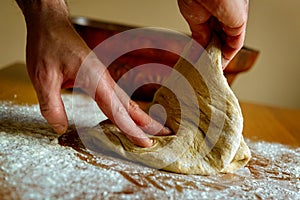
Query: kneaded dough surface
{"type": "Point", "coordinates": [207, 122]}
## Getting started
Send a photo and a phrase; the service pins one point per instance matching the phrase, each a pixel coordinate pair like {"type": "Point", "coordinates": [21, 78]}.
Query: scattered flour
{"type": "Point", "coordinates": [34, 166]}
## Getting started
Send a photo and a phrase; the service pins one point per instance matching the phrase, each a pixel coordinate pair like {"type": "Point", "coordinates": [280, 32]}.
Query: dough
{"type": "Point", "coordinates": [205, 117]}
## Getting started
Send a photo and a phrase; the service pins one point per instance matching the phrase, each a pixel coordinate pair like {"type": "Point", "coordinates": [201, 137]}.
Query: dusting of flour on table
{"type": "Point", "coordinates": [34, 166]}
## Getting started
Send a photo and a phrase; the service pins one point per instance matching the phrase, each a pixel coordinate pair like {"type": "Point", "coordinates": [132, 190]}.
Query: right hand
{"type": "Point", "coordinates": [55, 53]}
{"type": "Point", "coordinates": [226, 17]}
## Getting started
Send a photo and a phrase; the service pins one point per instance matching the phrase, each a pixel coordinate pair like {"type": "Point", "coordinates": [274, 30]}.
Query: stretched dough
{"type": "Point", "coordinates": [208, 123]}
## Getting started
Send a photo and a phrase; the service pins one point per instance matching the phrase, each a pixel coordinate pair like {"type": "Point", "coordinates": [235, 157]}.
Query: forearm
{"type": "Point", "coordinates": [34, 10]}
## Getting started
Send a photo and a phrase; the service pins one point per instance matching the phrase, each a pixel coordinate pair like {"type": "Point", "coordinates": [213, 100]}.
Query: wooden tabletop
{"type": "Point", "coordinates": [261, 122]}
{"type": "Point", "coordinates": [271, 123]}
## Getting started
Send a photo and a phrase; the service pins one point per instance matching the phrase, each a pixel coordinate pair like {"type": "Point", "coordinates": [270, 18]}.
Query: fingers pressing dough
{"type": "Point", "coordinates": [203, 114]}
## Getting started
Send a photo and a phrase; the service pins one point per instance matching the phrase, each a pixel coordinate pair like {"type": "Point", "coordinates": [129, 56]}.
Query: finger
{"type": "Point", "coordinates": [96, 80]}
{"type": "Point", "coordinates": [128, 126]}
{"type": "Point", "coordinates": [233, 17]}
{"type": "Point", "coordinates": [197, 17]}
{"type": "Point", "coordinates": [52, 107]}
{"type": "Point", "coordinates": [193, 12]}
{"type": "Point", "coordinates": [141, 118]}
{"type": "Point", "coordinates": [231, 47]}
{"type": "Point", "coordinates": [147, 123]}
{"type": "Point", "coordinates": [232, 13]}
{"type": "Point", "coordinates": [111, 106]}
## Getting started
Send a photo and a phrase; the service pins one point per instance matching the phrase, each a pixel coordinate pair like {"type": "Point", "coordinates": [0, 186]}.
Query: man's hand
{"type": "Point", "coordinates": [226, 17]}
{"type": "Point", "coordinates": [54, 54]}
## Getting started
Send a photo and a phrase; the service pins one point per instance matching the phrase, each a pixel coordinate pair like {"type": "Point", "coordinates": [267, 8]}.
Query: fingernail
{"type": "Point", "coordinates": [60, 129]}
{"type": "Point", "coordinates": [147, 143]}
{"type": "Point", "coordinates": [165, 131]}
{"type": "Point", "coordinates": [224, 63]}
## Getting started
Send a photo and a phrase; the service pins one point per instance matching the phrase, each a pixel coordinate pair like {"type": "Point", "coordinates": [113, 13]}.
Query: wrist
{"type": "Point", "coordinates": [41, 10]}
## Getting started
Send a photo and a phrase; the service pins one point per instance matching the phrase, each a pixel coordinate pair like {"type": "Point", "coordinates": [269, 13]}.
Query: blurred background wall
{"type": "Point", "coordinates": [273, 29]}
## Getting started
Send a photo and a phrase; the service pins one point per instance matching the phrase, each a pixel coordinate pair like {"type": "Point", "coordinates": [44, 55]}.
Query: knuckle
{"type": "Point", "coordinates": [91, 76]}
{"type": "Point", "coordinates": [148, 124]}
{"type": "Point", "coordinates": [133, 106]}
{"type": "Point", "coordinates": [40, 81]}
{"type": "Point", "coordinates": [121, 110]}
{"type": "Point", "coordinates": [48, 112]}
{"type": "Point", "coordinates": [41, 72]}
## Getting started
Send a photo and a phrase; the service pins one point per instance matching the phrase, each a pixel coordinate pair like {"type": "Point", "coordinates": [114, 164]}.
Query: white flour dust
{"type": "Point", "coordinates": [33, 165]}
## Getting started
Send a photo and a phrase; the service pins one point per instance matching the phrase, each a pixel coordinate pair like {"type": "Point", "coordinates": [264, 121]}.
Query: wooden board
{"type": "Point", "coordinates": [16, 86]}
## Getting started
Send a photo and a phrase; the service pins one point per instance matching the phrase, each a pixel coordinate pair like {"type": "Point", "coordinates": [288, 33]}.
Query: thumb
{"type": "Point", "coordinates": [53, 110]}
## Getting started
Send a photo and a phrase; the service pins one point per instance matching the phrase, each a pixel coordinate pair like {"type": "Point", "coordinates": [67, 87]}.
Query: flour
{"type": "Point", "coordinates": [34, 166]}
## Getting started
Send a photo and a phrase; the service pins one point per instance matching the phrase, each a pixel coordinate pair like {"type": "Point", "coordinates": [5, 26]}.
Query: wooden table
{"type": "Point", "coordinates": [272, 124]}
{"type": "Point", "coordinates": [261, 122]}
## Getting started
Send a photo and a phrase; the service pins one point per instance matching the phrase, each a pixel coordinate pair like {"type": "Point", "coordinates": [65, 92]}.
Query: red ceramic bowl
{"type": "Point", "coordinates": [94, 32]}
